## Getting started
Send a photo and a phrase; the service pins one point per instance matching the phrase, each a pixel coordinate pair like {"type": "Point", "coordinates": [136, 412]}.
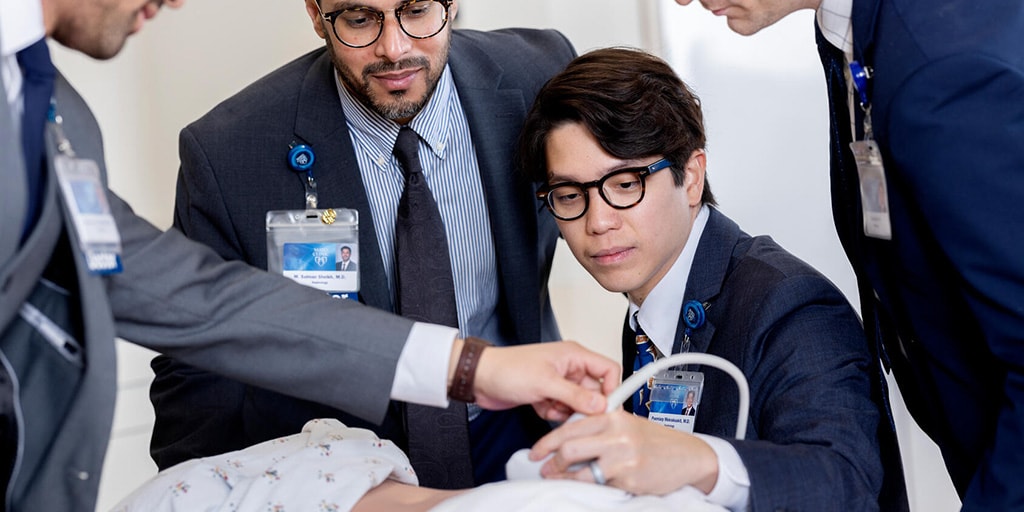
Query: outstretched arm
{"type": "Point", "coordinates": [556, 378]}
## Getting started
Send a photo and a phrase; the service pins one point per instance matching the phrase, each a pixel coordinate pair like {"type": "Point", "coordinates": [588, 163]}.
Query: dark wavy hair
{"type": "Point", "coordinates": [631, 101]}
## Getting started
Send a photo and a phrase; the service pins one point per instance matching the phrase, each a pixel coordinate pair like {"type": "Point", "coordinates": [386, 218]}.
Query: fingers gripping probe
{"type": "Point", "coordinates": [520, 467]}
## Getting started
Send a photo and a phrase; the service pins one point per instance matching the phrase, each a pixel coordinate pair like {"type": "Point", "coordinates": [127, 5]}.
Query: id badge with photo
{"type": "Point", "coordinates": [675, 399]}
{"type": "Point", "coordinates": [86, 201]}
{"type": "Point", "coordinates": [874, 196]}
{"type": "Point", "coordinates": [317, 247]}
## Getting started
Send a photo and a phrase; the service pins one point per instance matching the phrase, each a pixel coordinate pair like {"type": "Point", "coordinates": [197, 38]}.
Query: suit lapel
{"type": "Point", "coordinates": [23, 265]}
{"type": "Point", "coordinates": [320, 123]}
{"type": "Point", "coordinates": [842, 169]}
{"type": "Point", "coordinates": [707, 275]}
{"type": "Point", "coordinates": [494, 117]}
{"type": "Point", "coordinates": [14, 195]}
{"type": "Point", "coordinates": [864, 16]}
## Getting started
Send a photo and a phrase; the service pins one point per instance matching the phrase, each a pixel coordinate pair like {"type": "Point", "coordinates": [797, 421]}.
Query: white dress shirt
{"type": "Point", "coordinates": [834, 19]}
{"type": "Point", "coordinates": [21, 25]}
{"type": "Point", "coordinates": [659, 317]}
{"type": "Point", "coordinates": [451, 171]}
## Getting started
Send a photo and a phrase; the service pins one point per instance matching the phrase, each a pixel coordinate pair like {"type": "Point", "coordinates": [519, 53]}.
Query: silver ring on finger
{"type": "Point", "coordinates": [598, 474]}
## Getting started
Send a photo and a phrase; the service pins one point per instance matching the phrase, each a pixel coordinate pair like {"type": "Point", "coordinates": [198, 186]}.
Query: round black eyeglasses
{"type": "Point", "coordinates": [359, 27]}
{"type": "Point", "coordinates": [621, 189]}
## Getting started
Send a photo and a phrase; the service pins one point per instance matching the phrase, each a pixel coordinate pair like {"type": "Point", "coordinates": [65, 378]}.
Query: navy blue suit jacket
{"type": "Point", "coordinates": [233, 170]}
{"type": "Point", "coordinates": [945, 297]}
{"type": "Point", "coordinates": [815, 419]}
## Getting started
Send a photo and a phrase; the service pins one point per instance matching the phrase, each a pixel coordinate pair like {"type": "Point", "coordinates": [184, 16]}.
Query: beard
{"type": "Point", "coordinates": [394, 105]}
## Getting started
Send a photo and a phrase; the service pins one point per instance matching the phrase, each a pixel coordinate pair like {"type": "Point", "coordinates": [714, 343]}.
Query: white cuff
{"type": "Point", "coordinates": [732, 490]}
{"type": "Point", "coordinates": [421, 376]}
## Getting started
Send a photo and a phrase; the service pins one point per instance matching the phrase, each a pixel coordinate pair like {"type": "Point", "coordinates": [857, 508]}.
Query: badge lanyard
{"type": "Point", "coordinates": [301, 159]}
{"type": "Point", "coordinates": [86, 200]}
{"type": "Point", "coordinates": [676, 392]}
{"type": "Point", "coordinates": [315, 247]}
{"type": "Point", "coordinates": [874, 194]}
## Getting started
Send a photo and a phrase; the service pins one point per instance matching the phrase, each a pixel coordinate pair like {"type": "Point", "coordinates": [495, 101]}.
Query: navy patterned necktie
{"type": "Point", "coordinates": [38, 76]}
{"type": "Point", "coordinates": [438, 438]}
{"type": "Point", "coordinates": [426, 290]}
{"type": "Point", "coordinates": [644, 355]}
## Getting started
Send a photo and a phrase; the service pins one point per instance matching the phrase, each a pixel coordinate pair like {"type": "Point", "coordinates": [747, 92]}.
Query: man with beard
{"type": "Point", "coordinates": [78, 268]}
{"type": "Point", "coordinates": [387, 66]}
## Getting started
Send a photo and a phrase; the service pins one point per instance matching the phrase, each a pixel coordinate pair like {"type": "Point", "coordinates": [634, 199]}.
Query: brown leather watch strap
{"type": "Point", "coordinates": [465, 372]}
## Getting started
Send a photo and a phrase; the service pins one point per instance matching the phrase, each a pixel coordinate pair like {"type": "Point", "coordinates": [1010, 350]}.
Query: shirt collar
{"type": "Point", "coordinates": [432, 123]}
{"type": "Point", "coordinates": [21, 24]}
{"type": "Point", "coordinates": [833, 17]}
{"type": "Point", "coordinates": [660, 312]}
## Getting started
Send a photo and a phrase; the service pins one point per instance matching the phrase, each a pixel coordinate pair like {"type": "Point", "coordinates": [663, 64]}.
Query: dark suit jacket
{"type": "Point", "coordinates": [175, 296]}
{"type": "Point", "coordinates": [233, 170]}
{"type": "Point", "coordinates": [812, 435]}
{"type": "Point", "coordinates": [945, 297]}
{"type": "Point", "coordinates": [352, 266]}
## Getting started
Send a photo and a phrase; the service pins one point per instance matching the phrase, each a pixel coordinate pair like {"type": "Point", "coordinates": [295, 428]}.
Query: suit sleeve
{"type": "Point", "coordinates": [198, 413]}
{"type": "Point", "coordinates": [957, 141]}
{"type": "Point", "coordinates": [812, 442]}
{"type": "Point", "coordinates": [179, 297]}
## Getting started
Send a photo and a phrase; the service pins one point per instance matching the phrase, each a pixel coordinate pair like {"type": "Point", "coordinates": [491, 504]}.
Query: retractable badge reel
{"type": "Point", "coordinates": [315, 247]}
{"type": "Point", "coordinates": [301, 159]}
{"type": "Point", "coordinates": [676, 392]}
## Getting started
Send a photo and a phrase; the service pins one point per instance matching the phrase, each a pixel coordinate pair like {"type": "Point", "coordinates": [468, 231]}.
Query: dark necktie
{"type": "Point", "coordinates": [644, 356]}
{"type": "Point", "coordinates": [438, 438]}
{"type": "Point", "coordinates": [38, 76]}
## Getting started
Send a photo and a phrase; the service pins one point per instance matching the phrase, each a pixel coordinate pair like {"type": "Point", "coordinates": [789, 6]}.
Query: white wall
{"type": "Point", "coordinates": [763, 98]}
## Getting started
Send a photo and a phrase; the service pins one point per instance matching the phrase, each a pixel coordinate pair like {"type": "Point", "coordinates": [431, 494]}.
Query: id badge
{"type": "Point", "coordinates": [86, 201]}
{"type": "Point", "coordinates": [316, 247]}
{"type": "Point", "coordinates": [874, 196]}
{"type": "Point", "coordinates": [675, 399]}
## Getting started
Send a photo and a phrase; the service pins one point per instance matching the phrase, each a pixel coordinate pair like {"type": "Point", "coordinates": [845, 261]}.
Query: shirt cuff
{"type": "Point", "coordinates": [421, 376]}
{"type": "Point", "coordinates": [732, 490]}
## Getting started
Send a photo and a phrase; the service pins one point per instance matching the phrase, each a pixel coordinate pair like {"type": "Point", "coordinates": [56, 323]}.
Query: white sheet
{"type": "Point", "coordinates": [328, 467]}
{"type": "Point", "coordinates": [571, 496]}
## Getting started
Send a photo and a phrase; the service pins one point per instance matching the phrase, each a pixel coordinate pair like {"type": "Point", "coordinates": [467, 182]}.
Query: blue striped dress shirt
{"type": "Point", "coordinates": [449, 165]}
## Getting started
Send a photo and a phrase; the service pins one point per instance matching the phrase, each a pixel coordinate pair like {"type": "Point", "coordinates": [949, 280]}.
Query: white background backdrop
{"type": "Point", "coordinates": [763, 97]}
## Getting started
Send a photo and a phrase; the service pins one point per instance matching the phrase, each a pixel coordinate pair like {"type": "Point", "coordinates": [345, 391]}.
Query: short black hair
{"type": "Point", "coordinates": [632, 102]}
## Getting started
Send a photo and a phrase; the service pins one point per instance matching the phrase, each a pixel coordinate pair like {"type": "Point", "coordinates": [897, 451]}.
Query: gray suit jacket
{"type": "Point", "coordinates": [233, 169]}
{"type": "Point", "coordinates": [179, 297]}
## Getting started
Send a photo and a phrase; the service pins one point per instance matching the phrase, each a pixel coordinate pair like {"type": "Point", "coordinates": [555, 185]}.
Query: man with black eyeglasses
{"type": "Point", "coordinates": [387, 66]}
{"type": "Point", "coordinates": [78, 268]}
{"type": "Point", "coordinates": [617, 140]}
